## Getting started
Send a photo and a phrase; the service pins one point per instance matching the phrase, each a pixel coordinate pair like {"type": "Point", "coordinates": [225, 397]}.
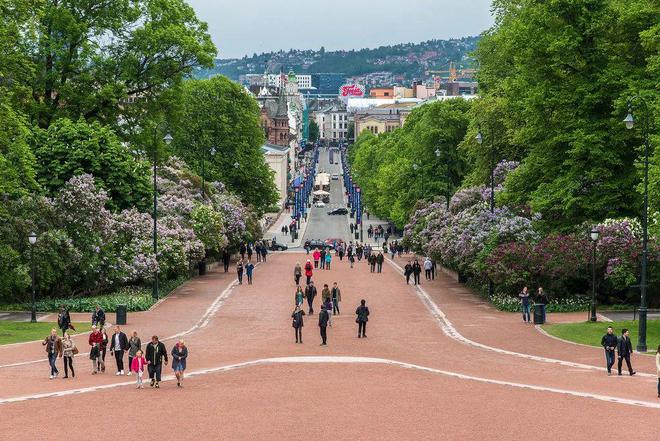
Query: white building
{"type": "Point", "coordinates": [333, 121]}
{"type": "Point", "coordinates": [277, 158]}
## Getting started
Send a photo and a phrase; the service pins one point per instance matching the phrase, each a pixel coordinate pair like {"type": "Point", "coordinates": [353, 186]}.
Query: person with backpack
{"type": "Point", "coordinates": [362, 313]}
{"type": "Point", "coordinates": [297, 316]}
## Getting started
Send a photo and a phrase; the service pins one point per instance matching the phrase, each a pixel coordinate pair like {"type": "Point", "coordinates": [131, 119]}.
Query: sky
{"type": "Point", "coordinates": [243, 27]}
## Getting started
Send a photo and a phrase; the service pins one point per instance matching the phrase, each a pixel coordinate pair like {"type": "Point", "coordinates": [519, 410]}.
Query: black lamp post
{"type": "Point", "coordinates": [168, 140]}
{"type": "Point", "coordinates": [594, 239]}
{"type": "Point", "coordinates": [646, 123]}
{"type": "Point", "coordinates": [480, 140]}
{"type": "Point", "coordinates": [32, 238]}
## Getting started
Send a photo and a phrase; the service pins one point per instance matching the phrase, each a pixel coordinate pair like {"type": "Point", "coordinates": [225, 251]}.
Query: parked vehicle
{"type": "Point", "coordinates": [313, 243]}
{"type": "Point", "coordinates": [339, 211]}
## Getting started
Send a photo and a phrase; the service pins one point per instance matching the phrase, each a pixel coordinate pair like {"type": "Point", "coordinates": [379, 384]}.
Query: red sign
{"type": "Point", "coordinates": [351, 90]}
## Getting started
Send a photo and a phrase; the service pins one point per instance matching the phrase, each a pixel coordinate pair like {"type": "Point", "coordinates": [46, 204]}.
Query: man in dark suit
{"type": "Point", "coordinates": [310, 293]}
{"type": "Point", "coordinates": [624, 347]}
{"type": "Point", "coordinates": [119, 345]}
{"type": "Point", "coordinates": [323, 324]}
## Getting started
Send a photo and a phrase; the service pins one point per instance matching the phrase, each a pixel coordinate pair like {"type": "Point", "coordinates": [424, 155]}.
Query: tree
{"type": "Point", "coordinates": [17, 163]}
{"type": "Point", "coordinates": [217, 113]}
{"type": "Point", "coordinates": [69, 148]}
{"type": "Point", "coordinates": [80, 58]}
{"type": "Point", "coordinates": [313, 131]}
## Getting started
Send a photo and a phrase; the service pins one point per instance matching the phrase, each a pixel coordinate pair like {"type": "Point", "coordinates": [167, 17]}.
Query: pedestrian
{"type": "Point", "coordinates": [351, 259]}
{"type": "Point", "coordinates": [380, 258]}
{"type": "Point", "coordinates": [316, 255]}
{"type": "Point", "coordinates": [434, 269]}
{"type": "Point", "coordinates": [542, 299]}
{"type": "Point", "coordinates": [407, 271]}
{"type": "Point", "coordinates": [336, 298]}
{"type": "Point", "coordinates": [98, 317]}
{"type": "Point", "coordinates": [179, 356]}
{"type": "Point", "coordinates": [155, 353]}
{"type": "Point", "coordinates": [609, 343]}
{"type": "Point", "coordinates": [362, 313]}
{"type": "Point", "coordinates": [625, 350]}
{"type": "Point", "coordinates": [134, 345]}
{"type": "Point", "coordinates": [297, 323]}
{"type": "Point", "coordinates": [249, 270]}
{"type": "Point", "coordinates": [324, 318]}
{"type": "Point", "coordinates": [63, 319]}
{"type": "Point", "coordinates": [341, 252]}
{"type": "Point", "coordinates": [94, 340]}
{"type": "Point", "coordinates": [299, 296]}
{"type": "Point", "coordinates": [137, 365]}
{"type": "Point", "coordinates": [242, 250]}
{"type": "Point", "coordinates": [351, 227]}
{"type": "Point", "coordinates": [103, 347]}
{"type": "Point", "coordinates": [257, 250]}
{"type": "Point", "coordinates": [239, 271]}
{"type": "Point", "coordinates": [69, 349]}
{"type": "Point", "coordinates": [417, 270]}
{"type": "Point", "coordinates": [310, 293]}
{"type": "Point", "coordinates": [325, 293]}
{"type": "Point", "coordinates": [657, 367]}
{"type": "Point", "coordinates": [328, 308]}
{"type": "Point", "coordinates": [119, 345]}
{"type": "Point", "coordinates": [328, 259]}
{"type": "Point", "coordinates": [308, 271]}
{"type": "Point", "coordinates": [322, 257]}
{"type": "Point", "coordinates": [226, 257]}
{"type": "Point", "coordinates": [428, 265]}
{"type": "Point", "coordinates": [264, 252]}
{"type": "Point", "coordinates": [524, 302]}
{"type": "Point", "coordinates": [250, 250]}
{"type": "Point", "coordinates": [297, 273]}
{"type": "Point", "coordinates": [372, 263]}
{"type": "Point", "coordinates": [53, 345]}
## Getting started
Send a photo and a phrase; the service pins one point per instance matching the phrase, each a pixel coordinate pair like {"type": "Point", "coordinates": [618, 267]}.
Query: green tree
{"type": "Point", "coordinates": [218, 114]}
{"type": "Point", "coordinates": [17, 163]}
{"type": "Point", "coordinates": [69, 148]}
{"type": "Point", "coordinates": [313, 131]}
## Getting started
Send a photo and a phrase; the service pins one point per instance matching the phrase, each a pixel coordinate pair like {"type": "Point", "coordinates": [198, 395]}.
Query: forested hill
{"type": "Point", "coordinates": [408, 59]}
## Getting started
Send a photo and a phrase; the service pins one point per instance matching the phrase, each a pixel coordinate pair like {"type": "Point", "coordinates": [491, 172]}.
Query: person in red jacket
{"type": "Point", "coordinates": [317, 256]}
{"type": "Point", "coordinates": [95, 340]}
{"type": "Point", "coordinates": [308, 271]}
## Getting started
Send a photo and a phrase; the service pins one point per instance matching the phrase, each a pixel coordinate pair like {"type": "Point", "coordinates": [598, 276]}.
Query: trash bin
{"type": "Point", "coordinates": [357, 235]}
{"type": "Point", "coordinates": [121, 314]}
{"type": "Point", "coordinates": [202, 267]}
{"type": "Point", "coordinates": [539, 313]}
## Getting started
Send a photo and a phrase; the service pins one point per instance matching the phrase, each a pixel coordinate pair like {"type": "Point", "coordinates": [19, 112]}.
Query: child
{"type": "Point", "coordinates": [328, 307]}
{"type": "Point", "coordinates": [137, 366]}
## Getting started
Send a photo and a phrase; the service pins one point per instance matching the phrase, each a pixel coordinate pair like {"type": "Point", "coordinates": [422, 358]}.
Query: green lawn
{"type": "Point", "coordinates": [16, 332]}
{"type": "Point", "coordinates": [590, 333]}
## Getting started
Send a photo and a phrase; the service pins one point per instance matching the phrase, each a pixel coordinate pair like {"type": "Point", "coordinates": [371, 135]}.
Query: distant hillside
{"type": "Point", "coordinates": [409, 60]}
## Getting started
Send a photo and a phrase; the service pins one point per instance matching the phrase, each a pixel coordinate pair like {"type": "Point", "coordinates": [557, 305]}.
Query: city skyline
{"type": "Point", "coordinates": [248, 27]}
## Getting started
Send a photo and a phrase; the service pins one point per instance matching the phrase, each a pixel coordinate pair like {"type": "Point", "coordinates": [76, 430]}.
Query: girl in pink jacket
{"type": "Point", "coordinates": [138, 365]}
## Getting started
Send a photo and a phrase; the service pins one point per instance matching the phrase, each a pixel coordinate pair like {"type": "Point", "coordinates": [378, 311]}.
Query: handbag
{"type": "Point", "coordinates": [75, 350]}
{"type": "Point", "coordinates": [94, 353]}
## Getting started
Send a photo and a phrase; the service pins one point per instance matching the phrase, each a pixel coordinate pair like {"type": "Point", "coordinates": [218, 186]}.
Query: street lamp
{"type": "Point", "coordinates": [594, 239]}
{"type": "Point", "coordinates": [236, 165]}
{"type": "Point", "coordinates": [168, 140]}
{"type": "Point", "coordinates": [630, 123]}
{"type": "Point", "coordinates": [32, 238]}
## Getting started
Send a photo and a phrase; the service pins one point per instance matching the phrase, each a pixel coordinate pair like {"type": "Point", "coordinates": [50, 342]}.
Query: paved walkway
{"type": "Point", "coordinates": [438, 363]}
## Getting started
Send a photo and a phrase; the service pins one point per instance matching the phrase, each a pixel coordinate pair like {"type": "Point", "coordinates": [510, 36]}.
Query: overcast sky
{"type": "Point", "coordinates": [242, 27]}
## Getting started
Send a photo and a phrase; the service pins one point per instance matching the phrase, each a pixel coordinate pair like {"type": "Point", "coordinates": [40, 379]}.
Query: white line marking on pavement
{"type": "Point", "coordinates": [345, 360]}
{"type": "Point", "coordinates": [452, 332]}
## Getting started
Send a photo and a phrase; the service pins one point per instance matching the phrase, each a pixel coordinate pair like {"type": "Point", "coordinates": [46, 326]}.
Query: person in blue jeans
{"type": "Point", "coordinates": [609, 342]}
{"type": "Point", "coordinates": [524, 301]}
{"type": "Point", "coordinates": [54, 349]}
{"type": "Point", "coordinates": [249, 270]}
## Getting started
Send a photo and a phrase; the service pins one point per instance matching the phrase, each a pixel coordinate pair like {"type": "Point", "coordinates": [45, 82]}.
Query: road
{"type": "Point", "coordinates": [321, 225]}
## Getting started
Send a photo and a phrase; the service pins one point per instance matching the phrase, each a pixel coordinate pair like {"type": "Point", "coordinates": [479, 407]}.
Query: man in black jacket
{"type": "Point", "coordinates": [609, 342]}
{"type": "Point", "coordinates": [417, 270]}
{"type": "Point", "coordinates": [624, 347]}
{"type": "Point", "coordinates": [362, 313]}
{"type": "Point", "coordinates": [380, 258]}
{"type": "Point", "coordinates": [226, 257]}
{"type": "Point", "coordinates": [98, 317]}
{"type": "Point", "coordinates": [63, 319]}
{"type": "Point", "coordinates": [119, 345]}
{"type": "Point", "coordinates": [310, 293]}
{"type": "Point", "coordinates": [407, 271]}
{"type": "Point", "coordinates": [323, 324]}
{"type": "Point", "coordinates": [155, 353]}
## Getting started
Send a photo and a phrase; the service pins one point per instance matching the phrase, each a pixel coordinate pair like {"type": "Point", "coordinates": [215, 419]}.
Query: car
{"type": "Point", "coordinates": [338, 211]}
{"type": "Point", "coordinates": [313, 243]}
{"type": "Point", "coordinates": [319, 204]}
{"type": "Point", "coordinates": [276, 246]}
{"type": "Point", "coordinates": [335, 177]}
{"type": "Point", "coordinates": [332, 243]}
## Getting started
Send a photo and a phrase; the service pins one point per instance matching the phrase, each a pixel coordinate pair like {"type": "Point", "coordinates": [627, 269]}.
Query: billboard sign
{"type": "Point", "coordinates": [351, 91]}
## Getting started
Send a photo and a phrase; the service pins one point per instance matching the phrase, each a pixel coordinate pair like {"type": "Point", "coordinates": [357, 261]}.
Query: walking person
{"type": "Point", "coordinates": [324, 318]}
{"type": "Point", "coordinates": [297, 323]}
{"type": "Point", "coordinates": [542, 299]}
{"type": "Point", "coordinates": [226, 257]}
{"type": "Point", "coordinates": [103, 347]}
{"type": "Point", "coordinates": [53, 345]}
{"type": "Point", "coordinates": [316, 255]}
{"type": "Point", "coordinates": [63, 319]}
{"type": "Point", "coordinates": [239, 271]}
{"type": "Point", "coordinates": [297, 273]}
{"type": "Point", "coordinates": [155, 353]}
{"type": "Point", "coordinates": [249, 270]}
{"type": "Point", "coordinates": [362, 313]}
{"type": "Point", "coordinates": [264, 252]}
{"type": "Point", "coordinates": [328, 259]}
{"type": "Point", "coordinates": [134, 345]}
{"type": "Point", "coordinates": [417, 270]}
{"type": "Point", "coordinates": [372, 263]}
{"type": "Point", "coordinates": [336, 298]}
{"type": "Point", "coordinates": [299, 296]}
{"type": "Point", "coordinates": [428, 266]}
{"type": "Point", "coordinates": [94, 340]}
{"type": "Point", "coordinates": [308, 271]}
{"type": "Point", "coordinates": [310, 293]}
{"type": "Point", "coordinates": [322, 257]}
{"type": "Point", "coordinates": [69, 349]}
{"type": "Point", "coordinates": [380, 258]}
{"type": "Point", "coordinates": [242, 250]}
{"type": "Point", "coordinates": [325, 293]}
{"type": "Point", "coordinates": [119, 345]}
{"type": "Point", "coordinates": [351, 259]}
{"type": "Point", "coordinates": [524, 302]}
{"type": "Point", "coordinates": [407, 271]}
{"type": "Point", "coordinates": [98, 317]}
{"type": "Point", "coordinates": [609, 343]}
{"type": "Point", "coordinates": [138, 362]}
{"type": "Point", "coordinates": [250, 250]}
{"type": "Point", "coordinates": [625, 350]}
{"type": "Point", "coordinates": [179, 356]}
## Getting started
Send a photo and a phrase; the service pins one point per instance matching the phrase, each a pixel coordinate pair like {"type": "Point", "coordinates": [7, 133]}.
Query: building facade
{"type": "Point", "coordinates": [277, 158]}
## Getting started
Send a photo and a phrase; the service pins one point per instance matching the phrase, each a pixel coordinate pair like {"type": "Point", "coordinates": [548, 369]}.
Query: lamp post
{"type": "Point", "coordinates": [168, 140]}
{"type": "Point", "coordinates": [594, 239]}
{"type": "Point", "coordinates": [480, 140]}
{"type": "Point", "coordinates": [630, 123]}
{"type": "Point", "coordinates": [32, 238]}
